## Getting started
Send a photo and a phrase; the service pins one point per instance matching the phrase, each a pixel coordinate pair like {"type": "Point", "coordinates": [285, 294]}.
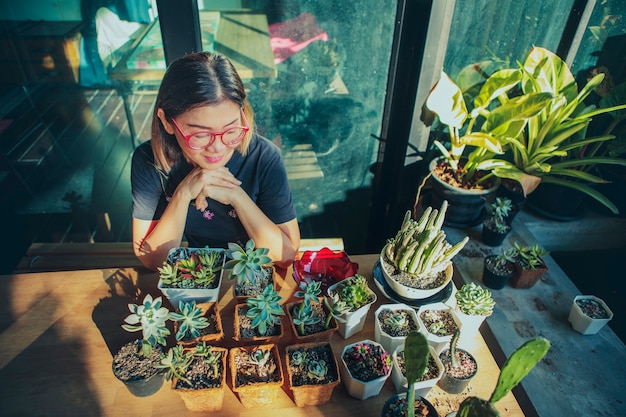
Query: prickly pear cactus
{"type": "Point", "coordinates": [476, 407]}
{"type": "Point", "coordinates": [416, 352]}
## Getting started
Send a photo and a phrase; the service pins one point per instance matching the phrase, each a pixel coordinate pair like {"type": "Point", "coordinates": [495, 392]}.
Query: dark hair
{"type": "Point", "coordinates": [191, 81]}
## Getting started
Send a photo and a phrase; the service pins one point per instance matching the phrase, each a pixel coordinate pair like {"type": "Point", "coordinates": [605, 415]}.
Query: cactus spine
{"type": "Point", "coordinates": [517, 366]}
{"type": "Point", "coordinates": [420, 246]}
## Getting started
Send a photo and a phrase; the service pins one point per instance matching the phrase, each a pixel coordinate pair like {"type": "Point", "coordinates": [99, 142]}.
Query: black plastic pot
{"type": "Point", "coordinates": [395, 406]}
{"type": "Point", "coordinates": [145, 387]}
{"type": "Point", "coordinates": [557, 203]}
{"type": "Point", "coordinates": [492, 279]}
{"type": "Point", "coordinates": [492, 237]}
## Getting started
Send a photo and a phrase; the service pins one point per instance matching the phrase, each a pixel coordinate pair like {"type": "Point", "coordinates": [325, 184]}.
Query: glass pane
{"type": "Point", "coordinates": [502, 31]}
{"type": "Point", "coordinates": [316, 73]}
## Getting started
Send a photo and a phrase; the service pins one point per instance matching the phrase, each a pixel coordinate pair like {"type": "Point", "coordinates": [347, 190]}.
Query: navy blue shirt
{"type": "Point", "coordinates": [261, 172]}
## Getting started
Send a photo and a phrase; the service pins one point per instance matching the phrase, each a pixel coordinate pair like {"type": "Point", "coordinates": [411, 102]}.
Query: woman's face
{"type": "Point", "coordinates": [215, 119]}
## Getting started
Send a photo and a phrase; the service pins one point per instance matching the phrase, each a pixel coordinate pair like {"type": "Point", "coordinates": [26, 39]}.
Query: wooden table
{"type": "Point", "coordinates": [60, 330]}
{"type": "Point", "coordinates": [242, 37]}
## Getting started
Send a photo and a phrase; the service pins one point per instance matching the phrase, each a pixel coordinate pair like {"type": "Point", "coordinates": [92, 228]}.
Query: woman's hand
{"type": "Point", "coordinates": [218, 184]}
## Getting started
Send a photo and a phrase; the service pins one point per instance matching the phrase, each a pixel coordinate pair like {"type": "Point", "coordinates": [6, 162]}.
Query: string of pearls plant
{"type": "Point", "coordinates": [420, 247]}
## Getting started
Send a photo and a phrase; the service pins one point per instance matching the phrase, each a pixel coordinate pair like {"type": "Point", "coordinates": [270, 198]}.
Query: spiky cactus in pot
{"type": "Point", "coordinates": [517, 366]}
{"type": "Point", "coordinates": [474, 300]}
{"type": "Point", "coordinates": [420, 247]}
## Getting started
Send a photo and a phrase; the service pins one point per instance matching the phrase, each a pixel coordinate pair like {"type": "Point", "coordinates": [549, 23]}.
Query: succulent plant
{"type": "Point", "coordinates": [354, 292]}
{"type": "Point", "coordinates": [209, 356]}
{"type": "Point", "coordinates": [187, 269]}
{"type": "Point", "coordinates": [397, 319]}
{"type": "Point", "coordinates": [420, 247]}
{"type": "Point", "coordinates": [500, 210]}
{"type": "Point", "coordinates": [151, 318]}
{"type": "Point", "coordinates": [262, 363]}
{"type": "Point", "coordinates": [317, 370]}
{"type": "Point", "coordinates": [246, 265]}
{"type": "Point", "coordinates": [474, 300]}
{"type": "Point", "coordinates": [517, 366]}
{"type": "Point", "coordinates": [505, 256]}
{"type": "Point", "coordinates": [367, 361]}
{"type": "Point", "coordinates": [416, 352]}
{"type": "Point", "coordinates": [529, 257]}
{"type": "Point", "coordinates": [336, 309]}
{"type": "Point", "coordinates": [191, 320]}
{"type": "Point", "coordinates": [309, 291]}
{"type": "Point", "coordinates": [302, 315]}
{"type": "Point", "coordinates": [298, 357]}
{"type": "Point", "coordinates": [264, 309]}
{"type": "Point", "coordinates": [176, 362]}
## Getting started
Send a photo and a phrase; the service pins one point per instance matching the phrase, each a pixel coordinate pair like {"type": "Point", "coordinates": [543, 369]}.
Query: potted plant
{"type": "Point", "coordinates": [259, 318]}
{"type": "Point", "coordinates": [529, 265]}
{"type": "Point", "coordinates": [473, 305]}
{"type": "Point", "coordinates": [516, 367]}
{"type": "Point", "coordinates": [496, 227]}
{"type": "Point", "coordinates": [459, 367]}
{"type": "Point", "coordinates": [589, 314]}
{"type": "Point", "coordinates": [198, 375]}
{"type": "Point", "coordinates": [438, 322]}
{"type": "Point", "coordinates": [463, 175]}
{"type": "Point", "coordinates": [190, 274]}
{"type": "Point", "coordinates": [366, 365]}
{"type": "Point", "coordinates": [498, 269]}
{"type": "Point", "coordinates": [426, 382]}
{"type": "Point", "coordinates": [194, 323]}
{"type": "Point", "coordinates": [311, 319]}
{"type": "Point", "coordinates": [410, 404]}
{"type": "Point", "coordinates": [136, 363]}
{"type": "Point", "coordinates": [312, 372]}
{"type": "Point", "coordinates": [417, 262]}
{"type": "Point", "coordinates": [393, 323]}
{"type": "Point", "coordinates": [256, 374]}
{"type": "Point", "coordinates": [250, 269]}
{"type": "Point", "coordinates": [358, 297]}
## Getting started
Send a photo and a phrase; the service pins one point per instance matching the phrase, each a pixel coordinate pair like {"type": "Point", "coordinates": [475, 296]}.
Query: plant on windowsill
{"type": "Point", "coordinates": [366, 365]}
{"type": "Point", "coordinates": [259, 318]}
{"type": "Point", "coordinates": [191, 274]}
{"type": "Point", "coordinates": [417, 262]}
{"type": "Point", "coordinates": [250, 268]}
{"type": "Point", "coordinates": [529, 265]}
{"type": "Point", "coordinates": [198, 375]}
{"type": "Point", "coordinates": [516, 367]}
{"type": "Point", "coordinates": [496, 227]}
{"type": "Point", "coordinates": [417, 357]}
{"type": "Point", "coordinates": [136, 364]}
{"type": "Point", "coordinates": [312, 372]}
{"type": "Point", "coordinates": [358, 297]}
{"type": "Point", "coordinates": [498, 269]}
{"type": "Point", "coordinates": [313, 319]}
{"type": "Point", "coordinates": [256, 374]}
{"type": "Point", "coordinates": [194, 323]}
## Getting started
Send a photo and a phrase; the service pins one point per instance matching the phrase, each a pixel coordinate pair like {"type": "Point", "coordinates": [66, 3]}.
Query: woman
{"type": "Point", "coordinates": [205, 174]}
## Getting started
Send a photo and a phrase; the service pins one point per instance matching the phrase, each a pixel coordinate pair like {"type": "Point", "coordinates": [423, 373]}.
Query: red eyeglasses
{"type": "Point", "coordinates": [229, 137]}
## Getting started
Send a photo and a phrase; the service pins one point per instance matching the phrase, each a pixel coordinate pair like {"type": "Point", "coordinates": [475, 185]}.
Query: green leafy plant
{"type": "Point", "coordinates": [416, 352]}
{"type": "Point", "coordinates": [197, 269]}
{"type": "Point", "coordinates": [420, 247]}
{"type": "Point", "coordinates": [317, 370]}
{"type": "Point", "coordinates": [354, 292]}
{"type": "Point", "coordinates": [474, 300]}
{"type": "Point", "coordinates": [529, 257]}
{"type": "Point", "coordinates": [302, 315]}
{"type": "Point", "coordinates": [246, 264]}
{"type": "Point", "coordinates": [264, 309]}
{"type": "Point", "coordinates": [150, 318]}
{"type": "Point", "coordinates": [517, 366]}
{"type": "Point", "coordinates": [178, 360]}
{"type": "Point", "coordinates": [309, 291]}
{"type": "Point", "coordinates": [336, 308]}
{"type": "Point", "coordinates": [500, 210]}
{"type": "Point", "coordinates": [191, 320]}
{"type": "Point", "coordinates": [505, 256]}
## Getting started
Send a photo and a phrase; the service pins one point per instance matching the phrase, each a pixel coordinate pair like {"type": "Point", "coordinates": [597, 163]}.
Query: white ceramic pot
{"type": "Point", "coordinates": [354, 320]}
{"type": "Point", "coordinates": [422, 388]}
{"type": "Point", "coordinates": [438, 342]}
{"type": "Point", "coordinates": [470, 324]}
{"type": "Point", "coordinates": [356, 388]}
{"type": "Point", "coordinates": [412, 293]}
{"type": "Point", "coordinates": [389, 342]}
{"type": "Point", "coordinates": [584, 324]}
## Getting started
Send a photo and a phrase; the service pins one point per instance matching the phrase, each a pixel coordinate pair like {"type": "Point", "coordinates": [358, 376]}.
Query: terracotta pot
{"type": "Point", "coordinates": [322, 336]}
{"type": "Point", "coordinates": [312, 394]}
{"type": "Point", "coordinates": [256, 339]}
{"type": "Point", "coordinates": [205, 399]}
{"type": "Point", "coordinates": [208, 309]}
{"type": "Point", "coordinates": [526, 278]}
{"type": "Point", "coordinates": [256, 394]}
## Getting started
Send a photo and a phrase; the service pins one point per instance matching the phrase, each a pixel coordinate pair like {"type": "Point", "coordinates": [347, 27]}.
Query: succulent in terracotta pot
{"type": "Point", "coordinates": [249, 267]}
{"type": "Point", "coordinates": [197, 322]}
{"type": "Point", "coordinates": [529, 265]}
{"type": "Point", "coordinates": [260, 317]}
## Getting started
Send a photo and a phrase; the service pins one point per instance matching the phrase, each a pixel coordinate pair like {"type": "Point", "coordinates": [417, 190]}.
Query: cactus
{"type": "Point", "coordinates": [474, 300]}
{"type": "Point", "coordinates": [517, 366]}
{"type": "Point", "coordinates": [420, 246]}
{"type": "Point", "coordinates": [416, 354]}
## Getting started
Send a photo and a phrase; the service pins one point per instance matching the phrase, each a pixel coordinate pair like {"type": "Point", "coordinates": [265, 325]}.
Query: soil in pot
{"type": "Point", "coordinates": [432, 371]}
{"type": "Point", "coordinates": [396, 407]}
{"type": "Point", "coordinates": [311, 330]}
{"type": "Point", "coordinates": [253, 288]}
{"type": "Point", "coordinates": [245, 331]}
{"type": "Point", "coordinates": [404, 278]}
{"type": "Point", "coordinates": [392, 329]}
{"type": "Point", "coordinates": [496, 276]}
{"type": "Point", "coordinates": [205, 389]}
{"type": "Point", "coordinates": [138, 372]}
{"type": "Point", "coordinates": [438, 322]}
{"type": "Point", "coordinates": [455, 379]}
{"type": "Point", "coordinates": [592, 308]}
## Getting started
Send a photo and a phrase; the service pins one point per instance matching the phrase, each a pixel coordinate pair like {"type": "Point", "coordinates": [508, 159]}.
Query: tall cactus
{"type": "Point", "coordinates": [517, 366]}
{"type": "Point", "coordinates": [416, 354]}
{"type": "Point", "coordinates": [420, 246]}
